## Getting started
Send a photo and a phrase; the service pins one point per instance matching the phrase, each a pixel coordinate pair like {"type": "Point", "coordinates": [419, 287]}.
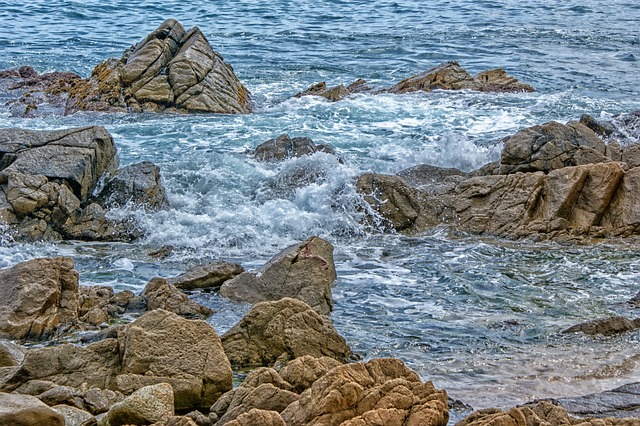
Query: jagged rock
{"type": "Point", "coordinates": [11, 354]}
{"type": "Point", "coordinates": [302, 372]}
{"type": "Point", "coordinates": [209, 275]}
{"type": "Point", "coordinates": [92, 224]}
{"type": "Point", "coordinates": [552, 146]}
{"type": "Point", "coordinates": [450, 76]}
{"type": "Point", "coordinates": [98, 304]}
{"type": "Point", "coordinates": [162, 295]}
{"type": "Point", "coordinates": [147, 405]}
{"type": "Point", "coordinates": [258, 417]}
{"type": "Point", "coordinates": [336, 93]}
{"type": "Point", "coordinates": [284, 147]}
{"type": "Point", "coordinates": [37, 297]}
{"type": "Point", "coordinates": [262, 389]}
{"type": "Point", "coordinates": [304, 271]}
{"type": "Point", "coordinates": [431, 179]}
{"type": "Point", "coordinates": [74, 416]}
{"type": "Point", "coordinates": [620, 402]}
{"type": "Point", "coordinates": [138, 184]}
{"type": "Point", "coordinates": [379, 392]}
{"type": "Point", "coordinates": [287, 327]}
{"type": "Point", "coordinates": [161, 347]}
{"type": "Point", "coordinates": [25, 410]}
{"type": "Point", "coordinates": [170, 70]}
{"type": "Point", "coordinates": [199, 419]}
{"type": "Point", "coordinates": [605, 326]}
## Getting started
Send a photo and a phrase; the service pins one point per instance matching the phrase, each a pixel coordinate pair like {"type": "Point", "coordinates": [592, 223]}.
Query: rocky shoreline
{"type": "Point", "coordinates": [114, 358]}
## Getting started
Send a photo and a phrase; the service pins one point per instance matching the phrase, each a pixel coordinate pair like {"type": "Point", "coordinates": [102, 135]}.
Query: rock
{"type": "Point", "coordinates": [551, 146]}
{"type": "Point", "coordinates": [450, 76]}
{"type": "Point", "coordinates": [138, 184]}
{"type": "Point", "coordinates": [162, 295]}
{"type": "Point", "coordinates": [302, 372]}
{"type": "Point", "coordinates": [287, 327]}
{"type": "Point", "coordinates": [175, 421]}
{"type": "Point", "coordinates": [170, 70]}
{"type": "Point", "coordinates": [147, 405]}
{"type": "Point", "coordinates": [284, 147]}
{"type": "Point", "coordinates": [98, 304]}
{"type": "Point", "coordinates": [161, 347]}
{"type": "Point", "coordinates": [379, 392]}
{"type": "Point", "coordinates": [199, 418]}
{"type": "Point", "coordinates": [63, 395]}
{"type": "Point", "coordinates": [11, 354]}
{"type": "Point", "coordinates": [74, 416]}
{"type": "Point", "coordinates": [25, 410]}
{"type": "Point", "coordinates": [605, 326]}
{"type": "Point", "coordinates": [304, 271]}
{"type": "Point", "coordinates": [38, 297]}
{"type": "Point", "coordinates": [336, 93]}
{"type": "Point", "coordinates": [92, 224]}
{"type": "Point", "coordinates": [620, 402]}
{"type": "Point", "coordinates": [258, 417]}
{"type": "Point", "coordinates": [209, 275]}
{"type": "Point", "coordinates": [434, 180]}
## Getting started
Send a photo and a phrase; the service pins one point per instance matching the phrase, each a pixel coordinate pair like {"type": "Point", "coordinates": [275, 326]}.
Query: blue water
{"type": "Point", "coordinates": [479, 317]}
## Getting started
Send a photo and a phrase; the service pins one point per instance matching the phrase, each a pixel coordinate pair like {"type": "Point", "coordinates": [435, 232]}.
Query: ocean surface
{"type": "Point", "coordinates": [479, 317]}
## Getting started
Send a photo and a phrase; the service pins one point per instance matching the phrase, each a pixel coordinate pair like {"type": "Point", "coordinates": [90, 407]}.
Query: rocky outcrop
{"type": "Point", "coordinates": [162, 295]}
{"type": "Point", "coordinates": [171, 70]}
{"type": "Point", "coordinates": [287, 328]}
{"type": "Point", "coordinates": [208, 276]}
{"type": "Point", "coordinates": [620, 402]}
{"type": "Point", "coordinates": [147, 405]}
{"type": "Point", "coordinates": [605, 327]}
{"type": "Point", "coordinates": [302, 372]}
{"type": "Point", "coordinates": [304, 271]}
{"type": "Point", "coordinates": [138, 184]}
{"type": "Point", "coordinates": [258, 417]}
{"type": "Point", "coordinates": [24, 410]}
{"type": "Point", "coordinates": [284, 147]}
{"type": "Point", "coordinates": [379, 392]}
{"type": "Point", "coordinates": [37, 297]}
{"type": "Point", "coordinates": [336, 93]}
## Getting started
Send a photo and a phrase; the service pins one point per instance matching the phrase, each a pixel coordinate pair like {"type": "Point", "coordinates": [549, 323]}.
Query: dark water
{"type": "Point", "coordinates": [481, 318]}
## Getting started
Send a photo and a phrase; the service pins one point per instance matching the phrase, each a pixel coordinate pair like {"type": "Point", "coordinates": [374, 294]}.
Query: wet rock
{"type": "Point", "coordinates": [283, 147]}
{"type": "Point", "coordinates": [208, 276]}
{"type": "Point", "coordinates": [621, 402]}
{"type": "Point", "coordinates": [98, 304]}
{"type": "Point", "coordinates": [162, 295]}
{"type": "Point", "coordinates": [302, 372]}
{"type": "Point", "coordinates": [381, 391]}
{"type": "Point", "coordinates": [304, 271]}
{"type": "Point", "coordinates": [552, 146]}
{"type": "Point", "coordinates": [147, 405]}
{"type": "Point", "coordinates": [431, 179]}
{"type": "Point", "coordinates": [605, 326]}
{"type": "Point", "coordinates": [92, 224]}
{"type": "Point", "coordinates": [38, 297]}
{"type": "Point", "coordinates": [25, 410]}
{"type": "Point", "coordinates": [74, 416]}
{"type": "Point", "coordinates": [138, 184]}
{"type": "Point", "coordinates": [170, 70]}
{"type": "Point", "coordinates": [161, 347]}
{"type": "Point", "coordinates": [258, 417]}
{"type": "Point", "coordinates": [336, 93]}
{"type": "Point", "coordinates": [288, 328]}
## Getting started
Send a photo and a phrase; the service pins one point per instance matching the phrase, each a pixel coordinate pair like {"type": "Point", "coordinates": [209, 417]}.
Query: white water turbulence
{"type": "Point", "coordinates": [482, 318]}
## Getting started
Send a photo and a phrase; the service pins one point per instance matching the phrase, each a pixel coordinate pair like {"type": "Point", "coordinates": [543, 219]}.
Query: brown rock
{"type": "Point", "coordinates": [447, 76]}
{"type": "Point", "coordinates": [605, 326]}
{"type": "Point", "coordinates": [382, 390]}
{"type": "Point", "coordinates": [304, 271]}
{"type": "Point", "coordinates": [302, 372]}
{"type": "Point", "coordinates": [162, 295]}
{"type": "Point", "coordinates": [146, 405]}
{"type": "Point", "coordinates": [210, 275]}
{"type": "Point", "coordinates": [336, 93]}
{"type": "Point", "coordinates": [287, 327]}
{"type": "Point", "coordinates": [11, 354]}
{"type": "Point", "coordinates": [497, 80]}
{"type": "Point", "coordinates": [25, 410]}
{"type": "Point", "coordinates": [38, 296]}
{"type": "Point", "coordinates": [74, 416]}
{"type": "Point", "coordinates": [138, 184]}
{"type": "Point", "coordinates": [283, 147]}
{"type": "Point", "coordinates": [258, 417]}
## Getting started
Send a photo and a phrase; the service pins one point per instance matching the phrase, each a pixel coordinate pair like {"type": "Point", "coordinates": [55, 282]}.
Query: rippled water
{"type": "Point", "coordinates": [480, 317]}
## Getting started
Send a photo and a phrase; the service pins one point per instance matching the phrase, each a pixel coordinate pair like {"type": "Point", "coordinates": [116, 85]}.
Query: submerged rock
{"type": "Point", "coordinates": [284, 147]}
{"type": "Point", "coordinates": [336, 93]}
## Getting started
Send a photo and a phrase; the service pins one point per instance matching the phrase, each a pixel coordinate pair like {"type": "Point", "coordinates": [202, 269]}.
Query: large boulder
{"type": "Point", "coordinates": [287, 328]}
{"type": "Point", "coordinates": [304, 271]}
{"type": "Point", "coordinates": [208, 276]}
{"type": "Point", "coordinates": [147, 405]}
{"type": "Point", "coordinates": [379, 392]}
{"type": "Point", "coordinates": [284, 147]}
{"type": "Point", "coordinates": [161, 347]}
{"type": "Point", "coordinates": [170, 70]}
{"type": "Point", "coordinates": [38, 297]}
{"type": "Point", "coordinates": [162, 295]}
{"type": "Point", "coordinates": [138, 184]}
{"type": "Point", "coordinates": [25, 410]}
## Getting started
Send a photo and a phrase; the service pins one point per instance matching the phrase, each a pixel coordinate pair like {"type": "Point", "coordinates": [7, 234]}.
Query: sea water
{"type": "Point", "coordinates": [479, 317]}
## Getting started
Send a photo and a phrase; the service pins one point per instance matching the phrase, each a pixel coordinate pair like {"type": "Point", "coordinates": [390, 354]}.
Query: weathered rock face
{"type": "Point", "coordinates": [161, 347]}
{"type": "Point", "coordinates": [605, 326]}
{"type": "Point", "coordinates": [302, 372]}
{"type": "Point", "coordinates": [288, 328]}
{"type": "Point", "coordinates": [170, 70]}
{"type": "Point", "coordinates": [450, 76]}
{"type": "Point", "coordinates": [37, 297]}
{"type": "Point", "coordinates": [285, 147]}
{"type": "Point", "coordinates": [145, 406]}
{"type": "Point", "coordinates": [211, 275]}
{"type": "Point", "coordinates": [162, 295]}
{"type": "Point", "coordinates": [24, 410]}
{"type": "Point", "coordinates": [258, 417]}
{"type": "Point", "coordinates": [11, 354]}
{"type": "Point", "coordinates": [304, 271]}
{"type": "Point", "coordinates": [379, 392]}
{"type": "Point", "coordinates": [139, 184]}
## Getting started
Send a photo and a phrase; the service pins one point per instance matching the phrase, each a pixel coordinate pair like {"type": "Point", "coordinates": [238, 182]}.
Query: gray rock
{"type": "Point", "coordinates": [622, 402]}
{"type": "Point", "coordinates": [138, 184]}
{"type": "Point", "coordinates": [74, 416]}
{"type": "Point", "coordinates": [209, 275]}
{"type": "Point", "coordinates": [284, 147]}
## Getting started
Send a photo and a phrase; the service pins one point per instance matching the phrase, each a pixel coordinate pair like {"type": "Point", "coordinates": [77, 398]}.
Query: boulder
{"type": "Point", "coordinates": [258, 417]}
{"type": "Point", "coordinates": [170, 70]}
{"type": "Point", "coordinates": [379, 392]}
{"type": "Point", "coordinates": [92, 224]}
{"type": "Point", "coordinates": [552, 146]}
{"type": "Point", "coordinates": [288, 328]}
{"type": "Point", "coordinates": [147, 405]}
{"type": "Point", "coordinates": [162, 295]}
{"type": "Point", "coordinates": [283, 147]}
{"type": "Point", "coordinates": [38, 297]}
{"type": "Point", "coordinates": [74, 416]}
{"type": "Point", "coordinates": [11, 354]}
{"type": "Point", "coordinates": [161, 347]}
{"type": "Point", "coordinates": [138, 184]}
{"type": "Point", "coordinates": [605, 326]}
{"type": "Point", "coordinates": [208, 276]}
{"type": "Point", "coordinates": [304, 271]}
{"type": "Point", "coordinates": [431, 179]}
{"type": "Point", "coordinates": [620, 402]}
{"type": "Point", "coordinates": [25, 410]}
{"type": "Point", "coordinates": [302, 372]}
